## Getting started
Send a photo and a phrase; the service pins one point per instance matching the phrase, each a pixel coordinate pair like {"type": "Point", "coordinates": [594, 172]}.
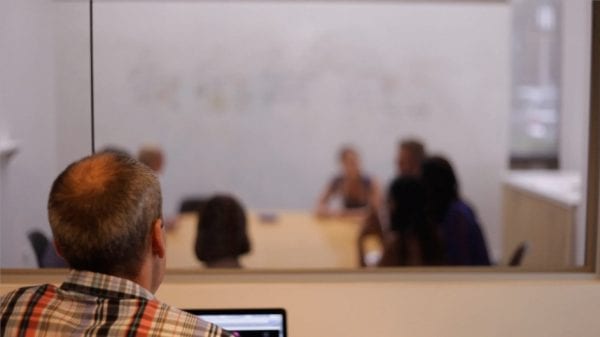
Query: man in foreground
{"type": "Point", "coordinates": [105, 215]}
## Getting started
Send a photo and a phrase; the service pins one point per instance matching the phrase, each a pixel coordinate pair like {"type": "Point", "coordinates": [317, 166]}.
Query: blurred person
{"type": "Point", "coordinates": [115, 149]}
{"type": "Point", "coordinates": [358, 192]}
{"type": "Point", "coordinates": [411, 154]}
{"type": "Point", "coordinates": [153, 157]}
{"type": "Point", "coordinates": [412, 240]}
{"type": "Point", "coordinates": [105, 215]}
{"type": "Point", "coordinates": [222, 233]}
{"type": "Point", "coordinates": [409, 157]}
{"type": "Point", "coordinates": [462, 237]}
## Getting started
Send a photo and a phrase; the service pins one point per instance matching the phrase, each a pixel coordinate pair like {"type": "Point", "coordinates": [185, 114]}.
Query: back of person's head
{"type": "Point", "coordinates": [222, 230]}
{"type": "Point", "coordinates": [441, 185]}
{"type": "Point", "coordinates": [406, 200]}
{"type": "Point", "coordinates": [410, 157]}
{"type": "Point", "coordinates": [115, 149]}
{"type": "Point", "coordinates": [101, 209]}
{"type": "Point", "coordinates": [418, 241]}
{"type": "Point", "coordinates": [415, 147]}
{"type": "Point", "coordinates": [152, 156]}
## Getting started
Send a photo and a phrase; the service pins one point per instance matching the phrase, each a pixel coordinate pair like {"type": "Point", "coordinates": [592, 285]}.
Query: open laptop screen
{"type": "Point", "coordinates": [247, 322]}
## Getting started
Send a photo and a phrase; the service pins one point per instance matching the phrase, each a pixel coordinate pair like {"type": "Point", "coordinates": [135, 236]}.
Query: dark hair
{"type": "Point", "coordinates": [101, 209]}
{"type": "Point", "coordinates": [415, 147]}
{"type": "Point", "coordinates": [406, 199]}
{"type": "Point", "coordinates": [441, 186]}
{"type": "Point", "coordinates": [221, 230]}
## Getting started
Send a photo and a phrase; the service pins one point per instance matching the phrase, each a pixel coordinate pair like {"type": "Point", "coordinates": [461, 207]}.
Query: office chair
{"type": "Point", "coordinates": [40, 244]}
{"type": "Point", "coordinates": [519, 254]}
{"type": "Point", "coordinates": [192, 204]}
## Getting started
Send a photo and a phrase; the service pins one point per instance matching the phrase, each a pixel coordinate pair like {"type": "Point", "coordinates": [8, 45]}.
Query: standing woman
{"type": "Point", "coordinates": [357, 191]}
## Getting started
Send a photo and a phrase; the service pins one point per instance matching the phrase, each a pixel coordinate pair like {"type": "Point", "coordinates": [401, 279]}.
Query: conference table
{"type": "Point", "coordinates": [279, 240]}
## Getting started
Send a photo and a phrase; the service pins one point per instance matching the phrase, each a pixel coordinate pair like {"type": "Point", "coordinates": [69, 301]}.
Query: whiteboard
{"type": "Point", "coordinates": [256, 97]}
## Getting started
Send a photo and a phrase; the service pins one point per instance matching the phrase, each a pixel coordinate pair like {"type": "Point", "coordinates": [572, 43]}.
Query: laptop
{"type": "Point", "coordinates": [246, 322]}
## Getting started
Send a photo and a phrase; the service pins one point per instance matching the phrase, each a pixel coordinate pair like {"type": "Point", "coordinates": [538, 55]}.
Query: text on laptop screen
{"type": "Point", "coordinates": [249, 324]}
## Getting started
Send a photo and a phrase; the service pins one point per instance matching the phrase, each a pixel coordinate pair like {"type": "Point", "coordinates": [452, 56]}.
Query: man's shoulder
{"type": "Point", "coordinates": [23, 293]}
{"type": "Point", "coordinates": [150, 313]}
{"type": "Point", "coordinates": [17, 302]}
{"type": "Point", "coordinates": [183, 323]}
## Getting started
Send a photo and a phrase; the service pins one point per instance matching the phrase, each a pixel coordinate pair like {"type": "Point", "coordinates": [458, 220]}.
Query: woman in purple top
{"type": "Point", "coordinates": [358, 192]}
{"type": "Point", "coordinates": [462, 238]}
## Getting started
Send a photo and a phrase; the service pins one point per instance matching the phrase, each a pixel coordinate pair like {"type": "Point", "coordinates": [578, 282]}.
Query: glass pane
{"type": "Point", "coordinates": [255, 99]}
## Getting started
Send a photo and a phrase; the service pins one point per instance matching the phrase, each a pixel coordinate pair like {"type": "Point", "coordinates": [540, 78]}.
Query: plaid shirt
{"type": "Point", "coordinates": [92, 304]}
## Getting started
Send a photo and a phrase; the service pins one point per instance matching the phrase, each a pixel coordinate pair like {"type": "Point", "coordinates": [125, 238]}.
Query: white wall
{"type": "Point", "coordinates": [576, 23]}
{"type": "Point", "coordinates": [28, 113]}
{"type": "Point", "coordinates": [575, 73]}
{"type": "Point", "coordinates": [72, 80]}
{"type": "Point", "coordinates": [397, 305]}
{"type": "Point", "coordinates": [450, 309]}
{"type": "Point", "coordinates": [260, 107]}
{"type": "Point", "coordinates": [31, 113]}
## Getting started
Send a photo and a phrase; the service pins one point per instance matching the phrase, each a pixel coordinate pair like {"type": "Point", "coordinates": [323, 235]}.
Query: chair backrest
{"type": "Point", "coordinates": [519, 254]}
{"type": "Point", "coordinates": [192, 204]}
{"type": "Point", "coordinates": [40, 243]}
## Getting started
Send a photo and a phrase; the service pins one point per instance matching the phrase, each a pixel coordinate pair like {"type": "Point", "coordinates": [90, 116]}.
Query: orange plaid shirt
{"type": "Point", "coordinates": [92, 304]}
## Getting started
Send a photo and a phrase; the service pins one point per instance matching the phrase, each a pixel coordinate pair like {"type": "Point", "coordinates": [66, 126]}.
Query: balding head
{"type": "Point", "coordinates": [101, 209]}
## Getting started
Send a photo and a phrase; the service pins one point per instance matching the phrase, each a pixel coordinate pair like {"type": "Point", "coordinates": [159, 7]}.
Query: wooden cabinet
{"type": "Point", "coordinates": [540, 208]}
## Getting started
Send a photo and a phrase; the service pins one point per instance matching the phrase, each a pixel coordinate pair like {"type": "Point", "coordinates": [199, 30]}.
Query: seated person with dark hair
{"type": "Point", "coordinates": [358, 192]}
{"type": "Point", "coordinates": [222, 238]}
{"type": "Point", "coordinates": [412, 240]}
{"type": "Point", "coordinates": [105, 215]}
{"type": "Point", "coordinates": [462, 237]}
{"type": "Point", "coordinates": [409, 157]}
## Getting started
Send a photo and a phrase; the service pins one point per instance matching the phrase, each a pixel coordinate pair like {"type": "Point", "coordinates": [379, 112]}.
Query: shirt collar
{"type": "Point", "coordinates": [102, 285]}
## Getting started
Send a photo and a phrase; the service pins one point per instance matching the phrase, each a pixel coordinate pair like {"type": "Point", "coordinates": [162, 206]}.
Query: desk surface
{"type": "Point", "coordinates": [293, 240]}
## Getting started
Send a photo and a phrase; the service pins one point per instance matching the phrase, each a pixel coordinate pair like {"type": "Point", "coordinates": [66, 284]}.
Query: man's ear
{"type": "Point", "coordinates": [58, 252]}
{"type": "Point", "coordinates": [158, 239]}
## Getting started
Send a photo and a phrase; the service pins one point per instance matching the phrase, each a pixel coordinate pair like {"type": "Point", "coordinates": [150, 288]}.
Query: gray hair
{"type": "Point", "coordinates": [101, 209]}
